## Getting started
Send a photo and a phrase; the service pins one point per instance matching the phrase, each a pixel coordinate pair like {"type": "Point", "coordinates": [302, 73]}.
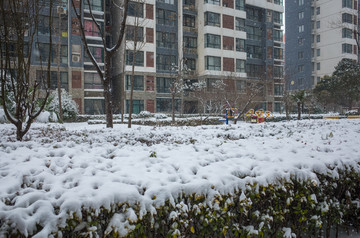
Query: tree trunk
{"type": "Point", "coordinates": [173, 108]}
{"type": "Point", "coordinates": [299, 110]}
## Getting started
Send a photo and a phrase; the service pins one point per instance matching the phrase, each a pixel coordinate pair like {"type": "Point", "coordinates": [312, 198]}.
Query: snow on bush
{"type": "Point", "coordinates": [69, 106]}
{"type": "Point", "coordinates": [206, 181]}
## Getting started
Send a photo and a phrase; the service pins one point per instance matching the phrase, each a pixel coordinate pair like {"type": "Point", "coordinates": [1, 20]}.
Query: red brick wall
{"type": "Point", "coordinates": [150, 85]}
{"type": "Point", "coordinates": [228, 3]}
{"type": "Point", "coordinates": [228, 22]}
{"type": "Point", "coordinates": [149, 59]}
{"type": "Point", "coordinates": [150, 106]}
{"type": "Point", "coordinates": [149, 35]}
{"type": "Point", "coordinates": [228, 43]}
{"type": "Point", "coordinates": [149, 11]}
{"type": "Point", "coordinates": [76, 79]}
{"type": "Point", "coordinates": [228, 64]}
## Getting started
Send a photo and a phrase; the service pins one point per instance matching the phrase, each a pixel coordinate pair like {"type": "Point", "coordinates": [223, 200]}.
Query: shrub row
{"type": "Point", "coordinates": [305, 208]}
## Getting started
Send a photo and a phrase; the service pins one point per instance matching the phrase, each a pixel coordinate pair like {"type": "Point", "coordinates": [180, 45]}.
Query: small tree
{"type": "Point", "coordinates": [69, 107]}
{"type": "Point", "coordinates": [299, 98]}
{"type": "Point", "coordinates": [109, 50]}
{"type": "Point", "coordinates": [19, 21]}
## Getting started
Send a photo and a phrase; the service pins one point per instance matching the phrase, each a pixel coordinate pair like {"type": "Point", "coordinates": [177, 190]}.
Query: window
{"type": "Point", "coordinates": [278, 89]}
{"type": "Point", "coordinates": [240, 65]}
{"type": "Point", "coordinates": [163, 84]}
{"type": "Point", "coordinates": [317, 52]}
{"type": "Point", "coordinates": [139, 58]}
{"type": "Point", "coordinates": [301, 15]}
{"type": "Point", "coordinates": [43, 55]}
{"type": "Point", "coordinates": [212, 41]}
{"type": "Point", "coordinates": [190, 42]}
{"type": "Point", "coordinates": [278, 53]}
{"type": "Point", "coordinates": [301, 28]}
{"type": "Point", "coordinates": [188, 20]}
{"type": "Point", "coordinates": [318, 66]}
{"type": "Point", "coordinates": [166, 39]}
{"type": "Point", "coordinates": [278, 35]}
{"type": "Point", "coordinates": [212, 19]}
{"type": "Point", "coordinates": [278, 17]}
{"type": "Point", "coordinates": [92, 81]}
{"type": "Point", "coordinates": [318, 38]}
{"type": "Point", "coordinates": [347, 48]}
{"type": "Point", "coordinates": [254, 70]}
{"type": "Point", "coordinates": [240, 4]}
{"type": "Point", "coordinates": [301, 2]}
{"type": "Point", "coordinates": [96, 5]}
{"type": "Point", "coordinates": [241, 86]}
{"type": "Point", "coordinates": [215, 2]}
{"type": "Point", "coordinates": [136, 9]}
{"type": "Point", "coordinates": [165, 105]}
{"type": "Point", "coordinates": [347, 3]}
{"type": "Point", "coordinates": [300, 68]}
{"type": "Point", "coordinates": [166, 1]}
{"type": "Point", "coordinates": [239, 24]}
{"type": "Point", "coordinates": [254, 52]}
{"type": "Point", "coordinates": [347, 33]}
{"type": "Point", "coordinates": [300, 54]}
{"type": "Point", "coordinates": [94, 106]}
{"type": "Point", "coordinates": [41, 75]}
{"type": "Point", "coordinates": [165, 62]}
{"type": "Point", "coordinates": [97, 53]}
{"type": "Point", "coordinates": [138, 82]}
{"type": "Point", "coordinates": [240, 45]}
{"type": "Point", "coordinates": [254, 14]}
{"type": "Point", "coordinates": [137, 107]}
{"type": "Point", "coordinates": [318, 11]}
{"type": "Point", "coordinates": [317, 24]}
{"type": "Point", "coordinates": [254, 33]}
{"type": "Point", "coordinates": [278, 107]}
{"type": "Point", "coordinates": [301, 41]}
{"type": "Point", "coordinates": [347, 18]}
{"type": "Point", "coordinates": [278, 2]}
{"type": "Point", "coordinates": [165, 17]}
{"type": "Point", "coordinates": [213, 63]}
{"type": "Point", "coordinates": [43, 25]}
{"type": "Point", "coordinates": [190, 63]}
{"type": "Point", "coordinates": [189, 2]}
{"type": "Point", "coordinates": [134, 33]}
{"type": "Point", "coordinates": [278, 71]}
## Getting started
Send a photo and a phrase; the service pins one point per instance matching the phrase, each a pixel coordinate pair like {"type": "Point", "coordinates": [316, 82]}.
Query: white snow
{"type": "Point", "coordinates": [74, 166]}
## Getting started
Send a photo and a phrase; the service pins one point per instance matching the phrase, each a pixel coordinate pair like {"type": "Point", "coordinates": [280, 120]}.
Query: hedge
{"type": "Point", "coordinates": [287, 208]}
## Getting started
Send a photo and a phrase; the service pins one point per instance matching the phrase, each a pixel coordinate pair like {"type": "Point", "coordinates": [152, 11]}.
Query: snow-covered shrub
{"type": "Point", "coordinates": [145, 114]}
{"type": "Point", "coordinates": [69, 106]}
{"type": "Point", "coordinates": [2, 116]}
{"type": "Point", "coordinates": [160, 116]}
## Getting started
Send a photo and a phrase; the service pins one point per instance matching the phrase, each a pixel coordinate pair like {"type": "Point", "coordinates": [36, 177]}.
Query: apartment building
{"type": "Point", "coordinates": [319, 33]}
{"type": "Point", "coordinates": [234, 40]}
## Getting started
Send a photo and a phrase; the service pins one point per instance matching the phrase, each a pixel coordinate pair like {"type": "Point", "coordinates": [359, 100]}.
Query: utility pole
{"type": "Point", "coordinates": [60, 11]}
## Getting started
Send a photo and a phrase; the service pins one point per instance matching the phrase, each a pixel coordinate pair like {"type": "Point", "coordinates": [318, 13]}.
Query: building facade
{"type": "Point", "coordinates": [234, 40]}
{"type": "Point", "coordinates": [319, 33]}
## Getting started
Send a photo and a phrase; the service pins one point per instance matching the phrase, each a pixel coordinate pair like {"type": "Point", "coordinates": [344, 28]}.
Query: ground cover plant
{"type": "Point", "coordinates": [283, 179]}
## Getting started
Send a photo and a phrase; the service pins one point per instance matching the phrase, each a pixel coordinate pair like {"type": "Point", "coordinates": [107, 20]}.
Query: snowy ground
{"type": "Point", "coordinates": [73, 165]}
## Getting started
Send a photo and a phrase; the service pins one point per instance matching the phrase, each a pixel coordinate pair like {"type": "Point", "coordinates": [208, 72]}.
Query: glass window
{"type": "Point", "coordinates": [241, 86]}
{"type": "Point", "coordinates": [239, 24]}
{"type": "Point", "coordinates": [254, 70]}
{"type": "Point", "coordinates": [347, 48]}
{"type": "Point", "coordinates": [136, 9]}
{"type": "Point", "coordinates": [240, 5]}
{"type": "Point", "coordinates": [301, 2]}
{"type": "Point", "coordinates": [41, 75]}
{"type": "Point", "coordinates": [96, 5]}
{"type": "Point", "coordinates": [138, 106]}
{"type": "Point", "coordinates": [255, 14]}
{"type": "Point", "coordinates": [190, 42]}
{"type": "Point", "coordinates": [278, 71]}
{"type": "Point", "coordinates": [215, 2]}
{"type": "Point", "coordinates": [166, 1]}
{"type": "Point", "coordinates": [189, 20]}
{"type": "Point", "coordinates": [43, 55]}
{"type": "Point", "coordinates": [347, 3]}
{"type": "Point", "coordinates": [165, 62]}
{"type": "Point", "coordinates": [240, 65]}
{"type": "Point", "coordinates": [165, 105]}
{"type": "Point", "coordinates": [163, 84]}
{"type": "Point", "coordinates": [278, 35]}
{"type": "Point", "coordinates": [94, 106]}
{"type": "Point", "coordinates": [138, 82]}
{"type": "Point", "coordinates": [278, 2]}
{"type": "Point", "coordinates": [97, 52]}
{"type": "Point", "coordinates": [212, 41]}
{"type": "Point", "coordinates": [190, 63]}
{"type": "Point", "coordinates": [92, 81]}
{"type": "Point", "coordinates": [301, 15]}
{"type": "Point", "coordinates": [213, 63]}
{"type": "Point", "coordinates": [347, 33]}
{"type": "Point", "coordinates": [254, 52]}
{"type": "Point", "coordinates": [278, 17]}
{"type": "Point", "coordinates": [254, 33]}
{"type": "Point", "coordinates": [212, 19]}
{"type": "Point", "coordinates": [134, 33]}
{"type": "Point", "coordinates": [166, 40]}
{"type": "Point", "coordinates": [278, 89]}
{"type": "Point", "coordinates": [139, 58]}
{"type": "Point", "coordinates": [347, 18]}
{"type": "Point", "coordinates": [91, 29]}
{"type": "Point", "coordinates": [278, 53]}
{"type": "Point", "coordinates": [165, 17]}
{"type": "Point", "coordinates": [240, 45]}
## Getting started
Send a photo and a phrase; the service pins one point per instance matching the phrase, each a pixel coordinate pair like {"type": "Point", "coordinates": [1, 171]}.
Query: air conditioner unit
{"type": "Point", "coordinates": [61, 10]}
{"type": "Point", "coordinates": [75, 58]}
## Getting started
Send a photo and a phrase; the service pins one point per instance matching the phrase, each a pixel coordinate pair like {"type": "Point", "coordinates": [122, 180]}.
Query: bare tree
{"type": "Point", "coordinates": [135, 36]}
{"type": "Point", "coordinates": [20, 92]}
{"type": "Point", "coordinates": [109, 50]}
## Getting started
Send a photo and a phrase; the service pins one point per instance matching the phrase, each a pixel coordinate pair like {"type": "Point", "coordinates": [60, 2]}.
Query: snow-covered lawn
{"type": "Point", "coordinates": [62, 168]}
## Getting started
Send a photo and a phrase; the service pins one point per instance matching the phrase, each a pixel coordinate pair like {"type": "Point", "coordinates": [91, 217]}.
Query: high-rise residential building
{"type": "Point", "coordinates": [234, 40]}
{"type": "Point", "coordinates": [319, 33]}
